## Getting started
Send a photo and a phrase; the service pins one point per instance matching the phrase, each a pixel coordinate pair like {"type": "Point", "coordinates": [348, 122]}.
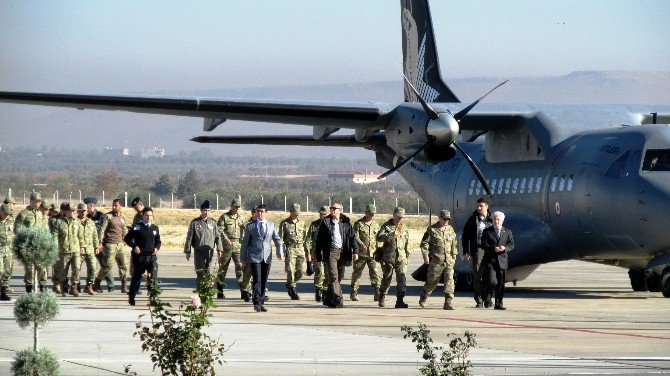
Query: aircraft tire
{"type": "Point", "coordinates": [665, 282]}
{"type": "Point", "coordinates": [654, 282]}
{"type": "Point", "coordinates": [638, 281]}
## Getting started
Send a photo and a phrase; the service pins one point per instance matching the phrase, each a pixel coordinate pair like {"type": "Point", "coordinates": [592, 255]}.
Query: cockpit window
{"type": "Point", "coordinates": [656, 160]}
{"type": "Point", "coordinates": [617, 169]}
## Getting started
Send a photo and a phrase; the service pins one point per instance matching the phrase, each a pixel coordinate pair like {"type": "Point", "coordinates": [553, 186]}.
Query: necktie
{"type": "Point", "coordinates": [498, 232]}
{"type": "Point", "coordinates": [262, 229]}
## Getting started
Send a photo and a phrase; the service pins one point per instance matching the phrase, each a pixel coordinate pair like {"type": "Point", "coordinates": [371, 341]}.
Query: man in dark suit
{"type": "Point", "coordinates": [145, 241]}
{"type": "Point", "coordinates": [496, 242]}
{"type": "Point", "coordinates": [257, 252]}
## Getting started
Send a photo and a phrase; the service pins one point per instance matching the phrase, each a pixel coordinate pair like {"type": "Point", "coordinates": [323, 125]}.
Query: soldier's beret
{"type": "Point", "coordinates": [445, 214]}
{"type": "Point", "coordinates": [36, 196]}
{"type": "Point", "coordinates": [370, 208]}
{"type": "Point", "coordinates": [90, 200]}
{"type": "Point", "coordinates": [324, 210]}
{"type": "Point", "coordinates": [81, 207]}
{"type": "Point", "coordinates": [45, 204]}
{"type": "Point", "coordinates": [9, 200]}
{"type": "Point", "coordinates": [6, 209]}
{"type": "Point", "coordinates": [295, 208]}
{"type": "Point", "coordinates": [65, 206]}
{"type": "Point", "coordinates": [400, 212]}
{"type": "Point", "coordinates": [53, 207]}
{"type": "Point", "coordinates": [236, 202]}
{"type": "Point", "coordinates": [205, 205]}
{"type": "Point", "coordinates": [135, 201]}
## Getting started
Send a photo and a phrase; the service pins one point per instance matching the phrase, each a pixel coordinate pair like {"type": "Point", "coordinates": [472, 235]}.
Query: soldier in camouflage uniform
{"type": "Point", "coordinates": [68, 233]}
{"type": "Point", "coordinates": [231, 228]}
{"type": "Point", "coordinates": [203, 236]}
{"type": "Point", "coordinates": [439, 249]}
{"type": "Point", "coordinates": [320, 284]}
{"type": "Point", "coordinates": [395, 236]}
{"type": "Point", "coordinates": [111, 249]}
{"type": "Point", "coordinates": [6, 237]}
{"type": "Point", "coordinates": [9, 264]}
{"type": "Point", "coordinates": [89, 245]}
{"type": "Point", "coordinates": [55, 269]}
{"type": "Point", "coordinates": [293, 232]}
{"type": "Point", "coordinates": [29, 217]}
{"type": "Point", "coordinates": [366, 230]}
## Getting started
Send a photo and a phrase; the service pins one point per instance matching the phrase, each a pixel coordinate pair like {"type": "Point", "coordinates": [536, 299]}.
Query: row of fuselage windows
{"type": "Point", "coordinates": [521, 185]}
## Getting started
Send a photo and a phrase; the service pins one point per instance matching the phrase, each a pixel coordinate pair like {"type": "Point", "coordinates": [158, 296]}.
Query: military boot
{"type": "Point", "coordinates": [353, 296]}
{"type": "Point", "coordinates": [74, 292]}
{"type": "Point", "coordinates": [242, 294]}
{"type": "Point", "coordinates": [382, 300]}
{"type": "Point", "coordinates": [376, 295]}
{"type": "Point", "coordinates": [41, 287]}
{"type": "Point", "coordinates": [63, 289]}
{"type": "Point", "coordinates": [3, 294]}
{"type": "Point", "coordinates": [89, 290]}
{"type": "Point", "coordinates": [29, 288]}
{"type": "Point", "coordinates": [57, 289]}
{"type": "Point", "coordinates": [96, 286]}
{"type": "Point", "coordinates": [219, 289]}
{"type": "Point", "coordinates": [447, 304]}
{"type": "Point", "coordinates": [423, 300]}
{"type": "Point", "coordinates": [399, 303]}
{"type": "Point", "coordinates": [124, 286]}
{"type": "Point", "coordinates": [247, 297]}
{"type": "Point", "coordinates": [317, 295]}
{"type": "Point", "coordinates": [294, 295]}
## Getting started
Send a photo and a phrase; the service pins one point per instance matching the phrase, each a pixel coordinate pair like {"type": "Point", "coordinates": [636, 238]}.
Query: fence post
{"type": "Point", "coordinates": [307, 206]}
{"type": "Point", "coordinates": [125, 199]}
{"type": "Point", "coordinates": [217, 201]}
{"type": "Point", "coordinates": [172, 200]}
{"type": "Point", "coordinates": [79, 195]}
{"type": "Point", "coordinates": [351, 205]}
{"type": "Point", "coordinates": [284, 203]}
{"type": "Point", "coordinates": [417, 206]}
{"type": "Point", "coordinates": [103, 198]}
{"type": "Point", "coordinates": [57, 196]}
{"type": "Point", "coordinates": [149, 199]}
{"type": "Point", "coordinates": [194, 202]}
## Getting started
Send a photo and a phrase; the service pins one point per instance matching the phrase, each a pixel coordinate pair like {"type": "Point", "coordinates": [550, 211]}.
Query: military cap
{"type": "Point", "coordinates": [10, 200]}
{"type": "Point", "coordinates": [399, 211]}
{"type": "Point", "coordinates": [236, 202]}
{"type": "Point", "coordinates": [90, 200]}
{"type": "Point", "coordinates": [53, 207]}
{"type": "Point", "coordinates": [445, 214]}
{"type": "Point", "coordinates": [370, 208]}
{"type": "Point", "coordinates": [62, 205]}
{"type": "Point", "coordinates": [66, 206]}
{"type": "Point", "coordinates": [205, 205]}
{"type": "Point", "coordinates": [45, 204]}
{"type": "Point", "coordinates": [135, 201]}
{"type": "Point", "coordinates": [324, 210]}
{"type": "Point", "coordinates": [6, 209]}
{"type": "Point", "coordinates": [81, 207]}
{"type": "Point", "coordinates": [36, 196]}
{"type": "Point", "coordinates": [295, 208]}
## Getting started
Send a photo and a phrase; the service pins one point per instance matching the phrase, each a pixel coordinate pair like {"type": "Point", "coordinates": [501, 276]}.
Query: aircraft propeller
{"type": "Point", "coordinates": [458, 116]}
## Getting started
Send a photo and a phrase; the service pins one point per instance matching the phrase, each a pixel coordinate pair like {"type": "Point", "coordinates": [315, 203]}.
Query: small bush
{"type": "Point", "coordinates": [35, 363]}
{"type": "Point", "coordinates": [451, 361]}
{"type": "Point", "coordinates": [35, 246]}
{"type": "Point", "coordinates": [36, 309]}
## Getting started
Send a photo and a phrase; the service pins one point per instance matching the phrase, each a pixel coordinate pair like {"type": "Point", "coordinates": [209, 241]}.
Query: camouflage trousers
{"type": "Point", "coordinates": [6, 265]}
{"type": "Point", "coordinates": [400, 269]}
{"type": "Point", "coordinates": [112, 253]}
{"type": "Point", "coordinates": [88, 259]}
{"type": "Point", "coordinates": [29, 275]}
{"type": "Point", "coordinates": [435, 272]}
{"type": "Point", "coordinates": [295, 266]}
{"type": "Point", "coordinates": [242, 276]}
{"type": "Point", "coordinates": [202, 260]}
{"type": "Point", "coordinates": [359, 266]}
{"type": "Point", "coordinates": [71, 261]}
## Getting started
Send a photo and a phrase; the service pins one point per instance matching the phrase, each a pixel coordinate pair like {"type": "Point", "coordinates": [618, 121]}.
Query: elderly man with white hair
{"type": "Point", "coordinates": [497, 241]}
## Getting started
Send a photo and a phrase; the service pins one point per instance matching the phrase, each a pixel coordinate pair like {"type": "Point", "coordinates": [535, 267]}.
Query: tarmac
{"type": "Point", "coordinates": [567, 318]}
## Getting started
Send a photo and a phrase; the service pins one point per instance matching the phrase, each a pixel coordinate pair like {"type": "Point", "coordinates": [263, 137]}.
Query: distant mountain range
{"type": "Point", "coordinates": [71, 129]}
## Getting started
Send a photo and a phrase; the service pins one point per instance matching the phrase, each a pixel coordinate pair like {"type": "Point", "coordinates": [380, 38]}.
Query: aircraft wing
{"type": "Point", "coordinates": [341, 141]}
{"type": "Point", "coordinates": [365, 115]}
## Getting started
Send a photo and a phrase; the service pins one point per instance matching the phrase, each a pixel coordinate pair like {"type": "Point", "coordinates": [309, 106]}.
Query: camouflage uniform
{"type": "Point", "coordinates": [439, 244]}
{"type": "Point", "coordinates": [55, 269]}
{"type": "Point", "coordinates": [320, 284]}
{"type": "Point", "coordinates": [203, 236]}
{"type": "Point", "coordinates": [6, 238]}
{"type": "Point", "coordinates": [293, 234]}
{"type": "Point", "coordinates": [113, 248]}
{"type": "Point", "coordinates": [89, 244]}
{"type": "Point", "coordinates": [394, 258]}
{"type": "Point", "coordinates": [365, 233]}
{"type": "Point", "coordinates": [68, 232]}
{"type": "Point", "coordinates": [30, 217]}
{"type": "Point", "coordinates": [231, 227]}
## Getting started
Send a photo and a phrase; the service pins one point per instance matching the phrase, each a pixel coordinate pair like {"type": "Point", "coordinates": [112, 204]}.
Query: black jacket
{"type": "Point", "coordinates": [490, 241]}
{"type": "Point", "coordinates": [323, 237]}
{"type": "Point", "coordinates": [469, 237]}
{"type": "Point", "coordinates": [145, 237]}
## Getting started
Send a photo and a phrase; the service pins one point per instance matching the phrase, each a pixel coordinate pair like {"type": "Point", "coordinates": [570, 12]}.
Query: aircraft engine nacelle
{"type": "Point", "coordinates": [411, 128]}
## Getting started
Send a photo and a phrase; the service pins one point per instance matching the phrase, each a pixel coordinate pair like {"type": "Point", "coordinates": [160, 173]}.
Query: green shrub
{"type": "Point", "coordinates": [451, 361]}
{"type": "Point", "coordinates": [35, 363]}
{"type": "Point", "coordinates": [36, 309]}
{"type": "Point", "coordinates": [35, 246]}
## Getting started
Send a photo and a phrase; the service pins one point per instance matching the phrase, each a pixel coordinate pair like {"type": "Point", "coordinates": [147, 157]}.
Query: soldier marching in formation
{"type": "Point", "coordinates": [293, 232]}
{"type": "Point", "coordinates": [394, 258]}
{"type": "Point", "coordinates": [438, 247]}
{"type": "Point", "coordinates": [231, 226]}
{"type": "Point", "coordinates": [366, 230]}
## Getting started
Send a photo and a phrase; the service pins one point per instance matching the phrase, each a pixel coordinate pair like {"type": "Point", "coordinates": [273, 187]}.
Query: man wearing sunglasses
{"type": "Point", "coordinates": [335, 246]}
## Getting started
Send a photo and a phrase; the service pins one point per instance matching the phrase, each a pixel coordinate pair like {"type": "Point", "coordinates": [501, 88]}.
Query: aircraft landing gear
{"type": "Point", "coordinates": [654, 282]}
{"type": "Point", "coordinates": [638, 281]}
{"type": "Point", "coordinates": [665, 282]}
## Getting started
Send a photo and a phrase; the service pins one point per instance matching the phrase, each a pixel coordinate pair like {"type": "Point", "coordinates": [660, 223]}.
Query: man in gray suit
{"type": "Point", "coordinates": [257, 252]}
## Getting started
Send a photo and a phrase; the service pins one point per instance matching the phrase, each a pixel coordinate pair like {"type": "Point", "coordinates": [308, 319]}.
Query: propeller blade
{"type": "Point", "coordinates": [475, 169]}
{"type": "Point", "coordinates": [433, 115]}
{"type": "Point", "coordinates": [405, 161]}
{"type": "Point", "coordinates": [461, 114]}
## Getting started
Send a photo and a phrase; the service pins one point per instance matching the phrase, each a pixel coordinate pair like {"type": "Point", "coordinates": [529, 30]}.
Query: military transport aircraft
{"type": "Point", "coordinates": [576, 182]}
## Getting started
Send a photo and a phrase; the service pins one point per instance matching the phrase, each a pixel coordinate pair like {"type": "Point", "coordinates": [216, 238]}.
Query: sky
{"type": "Point", "coordinates": [158, 46]}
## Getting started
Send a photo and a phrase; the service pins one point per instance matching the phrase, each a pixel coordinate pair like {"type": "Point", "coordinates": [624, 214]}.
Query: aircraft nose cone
{"type": "Point", "coordinates": [444, 129]}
